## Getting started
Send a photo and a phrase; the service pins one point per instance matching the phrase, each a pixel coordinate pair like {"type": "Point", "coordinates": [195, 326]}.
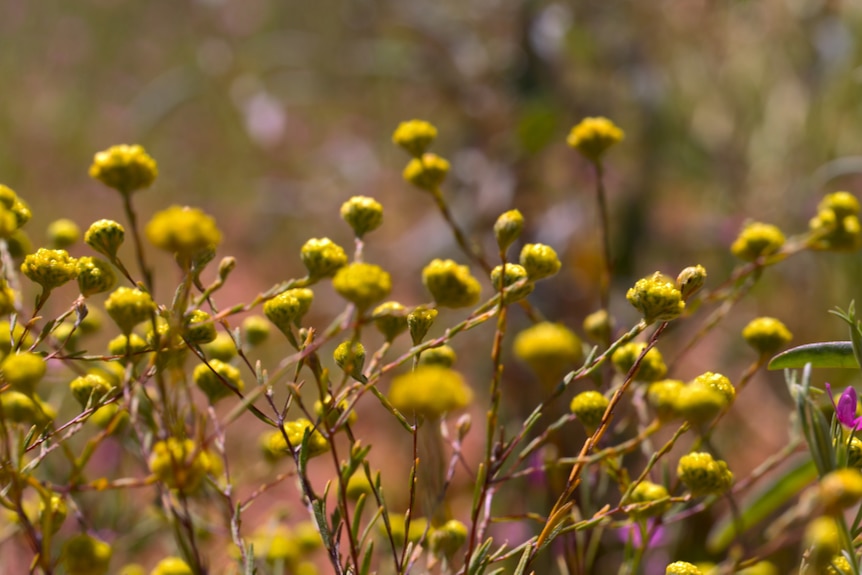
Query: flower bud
{"type": "Point", "coordinates": [53, 512]}
{"type": "Point", "coordinates": [199, 328]}
{"type": "Point", "coordinates": [508, 228]}
{"type": "Point", "coordinates": [222, 348]}
{"type": "Point", "coordinates": [690, 280]}
{"type": "Point", "coordinates": [128, 307]}
{"type": "Point", "coordinates": [662, 397]}
{"type": "Point", "coordinates": [699, 403]}
{"type": "Point", "coordinates": [840, 489]}
{"type": "Point", "coordinates": [357, 485]}
{"type": "Point", "coordinates": [124, 168]}
{"type": "Point", "coordinates": [179, 464]}
{"type": "Point", "coordinates": [550, 349]}
{"type": "Point", "coordinates": [540, 261]}
{"type": "Point", "coordinates": [362, 284]}
{"type": "Point", "coordinates": [106, 237]}
{"type": "Point", "coordinates": [322, 258]}
{"type": "Point", "coordinates": [85, 555]}
{"type": "Point", "coordinates": [362, 214]}
{"type": "Point", "coordinates": [766, 335]}
{"type": "Point", "coordinates": [450, 284]}
{"type": "Point", "coordinates": [419, 321]}
{"type": "Point", "coordinates": [442, 355]}
{"type": "Point", "coordinates": [18, 407]}
{"type": "Point", "coordinates": [426, 172]}
{"type": "Point", "coordinates": [682, 568]}
{"type": "Point", "coordinates": [350, 357]}
{"type": "Point", "coordinates": [703, 475]}
{"type": "Point", "coordinates": [390, 318]}
{"type": "Point", "coordinates": [95, 276]}
{"type": "Point", "coordinates": [63, 233]}
{"type": "Point", "coordinates": [172, 566]}
{"type": "Point", "coordinates": [651, 368]}
{"type": "Point", "coordinates": [598, 326]}
{"type": "Point", "coordinates": [183, 231]}
{"type": "Point", "coordinates": [50, 268]}
{"type": "Point", "coordinates": [757, 240]}
{"type": "Point", "coordinates": [23, 371]}
{"type": "Point", "coordinates": [211, 379]}
{"type": "Point", "coordinates": [91, 387]}
{"type": "Point", "coordinates": [836, 226]}
{"type": "Point", "coordinates": [448, 538]}
{"type": "Point", "coordinates": [225, 267]}
{"type": "Point", "coordinates": [130, 345]}
{"type": "Point", "coordinates": [415, 136]}
{"type": "Point", "coordinates": [589, 407]}
{"type": "Point", "coordinates": [295, 431]}
{"type": "Point", "coordinates": [647, 492]}
{"type": "Point", "coordinates": [331, 413]}
{"type": "Point", "coordinates": [657, 298]}
{"type": "Point", "coordinates": [514, 274]}
{"type": "Point", "coordinates": [719, 383]}
{"type": "Point", "coordinates": [822, 539]}
{"type": "Point", "coordinates": [256, 330]}
{"type": "Point", "coordinates": [593, 136]}
{"type": "Point", "coordinates": [288, 307]}
{"type": "Point", "coordinates": [430, 391]}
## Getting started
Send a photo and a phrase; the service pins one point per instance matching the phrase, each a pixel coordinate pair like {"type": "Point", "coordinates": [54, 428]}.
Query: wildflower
{"type": "Point", "coordinates": [840, 489]}
{"type": "Point", "coordinates": [14, 206]}
{"type": "Point", "coordinates": [50, 268]}
{"type": "Point", "coordinates": [593, 136]}
{"type": "Point", "coordinates": [63, 233]}
{"type": "Point", "coordinates": [508, 228]}
{"type": "Point", "coordinates": [172, 566]}
{"type": "Point", "coordinates": [307, 537]}
{"type": "Point", "coordinates": [448, 538]}
{"type": "Point", "coordinates": [682, 568]}
{"type": "Point", "coordinates": [53, 512]}
{"type": "Point", "coordinates": [277, 544]}
{"type": "Point", "coordinates": [760, 568]}
{"type": "Point", "coordinates": [589, 407]}
{"type": "Point", "coordinates": [217, 379]}
{"type": "Point", "coordinates": [362, 214]}
{"type": "Point", "coordinates": [358, 485]}
{"type": "Point", "coordinates": [652, 497]}
{"type": "Point", "coordinates": [183, 231]}
{"type": "Point", "coordinates": [19, 243]}
{"type": "Point", "coordinates": [23, 371]}
{"type": "Point", "coordinates": [18, 407]}
{"type": "Point", "coordinates": [442, 355]}
{"type": "Point", "coordinates": [390, 318]}
{"type": "Point", "coordinates": [350, 357]}
{"type": "Point", "coordinates": [757, 240]}
{"type": "Point", "coordinates": [419, 321]}
{"type": "Point", "coordinates": [95, 276]}
{"type": "Point", "coordinates": [430, 391]}
{"type": "Point", "coordinates": [179, 463]}
{"type": "Point", "coordinates": [540, 261]}
{"type": "Point", "coordinates": [8, 335]}
{"type": "Point", "coordinates": [822, 539]}
{"type": "Point", "coordinates": [836, 225]}
{"type": "Point", "coordinates": [110, 414]}
{"type": "Point", "coordinates": [85, 555]}
{"type": "Point", "coordinates": [296, 431]}
{"type": "Point", "coordinates": [130, 345]}
{"type": "Point", "coordinates": [662, 397]}
{"type": "Point", "coordinates": [415, 136]}
{"type": "Point", "coordinates": [221, 348]}
{"type": "Point", "coordinates": [124, 168]}
{"type": "Point", "coordinates": [514, 274]}
{"type": "Point", "coordinates": [362, 284]}
{"type": "Point", "coordinates": [598, 325]}
{"type": "Point", "coordinates": [450, 284]}
{"type": "Point", "coordinates": [288, 307]}
{"type": "Point", "coordinates": [651, 368]}
{"type": "Point", "coordinates": [845, 409]}
{"type": "Point", "coordinates": [766, 335]}
{"type": "Point", "coordinates": [549, 348]}
{"type": "Point", "coordinates": [322, 258]}
{"type": "Point", "coordinates": [426, 172]}
{"type": "Point", "coordinates": [839, 565]}
{"type": "Point", "coordinates": [128, 307]}
{"type": "Point", "coordinates": [332, 413]}
{"type": "Point", "coordinates": [256, 329]}
{"type": "Point", "coordinates": [703, 475]}
{"type": "Point", "coordinates": [398, 524]}
{"type": "Point", "coordinates": [106, 237]}
{"type": "Point", "coordinates": [719, 383]}
{"type": "Point", "coordinates": [657, 298]}
{"type": "Point", "coordinates": [699, 403]}
{"type": "Point", "coordinates": [90, 387]}
{"type": "Point", "coordinates": [690, 280]}
{"type": "Point", "coordinates": [199, 328]}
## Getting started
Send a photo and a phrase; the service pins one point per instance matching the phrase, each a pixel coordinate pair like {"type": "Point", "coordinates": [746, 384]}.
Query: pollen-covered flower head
{"type": "Point", "coordinates": [362, 284]}
{"type": "Point", "coordinates": [662, 396]}
{"type": "Point", "coordinates": [757, 239]}
{"type": "Point", "coordinates": [599, 325]}
{"type": "Point", "coordinates": [296, 430]}
{"type": "Point", "coordinates": [419, 321]}
{"type": "Point", "coordinates": [14, 212]}
{"type": "Point", "coordinates": [822, 540]}
{"type": "Point", "coordinates": [216, 379]}
{"type": "Point", "coordinates": [836, 226]}
{"type": "Point", "coordinates": [179, 463]}
{"type": "Point", "coordinates": [95, 276]}
{"type": "Point", "coordinates": [426, 172]}
{"type": "Point", "coordinates": [322, 257]}
{"type": "Point", "coordinates": [654, 500]}
{"type": "Point", "coordinates": [430, 391]}
{"type": "Point", "coordinates": [699, 403]}
{"type": "Point", "coordinates": [415, 136]}
{"type": "Point", "coordinates": [128, 307]}
{"type": "Point", "coordinates": [766, 335]}
{"type": "Point", "coordinates": [540, 261]}
{"type": "Point", "coordinates": [651, 368]}
{"type": "Point", "coordinates": [90, 387]}
{"type": "Point", "coordinates": [448, 538]}
{"type": "Point", "coordinates": [50, 268]}
{"type": "Point", "coordinates": [719, 383]}
{"type": "Point", "coordinates": [451, 284]}
{"type": "Point", "coordinates": [350, 357]}
{"type": "Point", "coordinates": [8, 297]}
{"type": "Point", "coordinates": [362, 214]}
{"type": "Point", "coordinates": [105, 236]}
{"type": "Point", "coordinates": [514, 274]}
{"type": "Point", "coordinates": [442, 355]}
{"type": "Point", "coordinates": [704, 475]}
{"type": "Point", "coordinates": [390, 318]}
{"type": "Point", "coordinates": [593, 136]}
{"type": "Point", "coordinates": [550, 349]}
{"type": "Point", "coordinates": [589, 407]}
{"type": "Point", "coordinates": [183, 231]}
{"type": "Point", "coordinates": [23, 371]}
{"type": "Point", "coordinates": [63, 233]}
{"type": "Point", "coordinates": [508, 228]}
{"type": "Point", "coordinates": [657, 297]}
{"type": "Point", "coordinates": [288, 307]}
{"type": "Point", "coordinates": [85, 555]}
{"type": "Point", "coordinates": [682, 568]}
{"type": "Point", "coordinates": [199, 328]}
{"type": "Point", "coordinates": [172, 566]}
{"type": "Point", "coordinates": [124, 168]}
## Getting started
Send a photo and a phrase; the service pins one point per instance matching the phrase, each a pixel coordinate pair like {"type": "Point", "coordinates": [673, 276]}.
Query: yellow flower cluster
{"type": "Point", "coordinates": [180, 464]}
{"type": "Point", "coordinates": [651, 368]}
{"type": "Point", "coordinates": [836, 225]}
{"type": "Point", "coordinates": [128, 307]}
{"type": "Point", "coordinates": [211, 379]}
{"type": "Point", "coordinates": [427, 172]}
{"type": "Point", "coordinates": [550, 349]}
{"type": "Point", "coordinates": [183, 231]}
{"type": "Point", "coordinates": [654, 500]}
{"type": "Point", "coordinates": [362, 214]}
{"type": "Point", "coordinates": [415, 136]}
{"type": "Point", "coordinates": [390, 318]}
{"type": "Point", "coordinates": [766, 335]}
{"type": "Point", "coordinates": [703, 475]}
{"type": "Point", "coordinates": [14, 213]}
{"type": "Point", "coordinates": [430, 391]}
{"type": "Point", "coordinates": [23, 371]}
{"type": "Point", "coordinates": [275, 446]}
{"type": "Point", "coordinates": [362, 284]}
{"type": "Point", "coordinates": [50, 268]}
{"type": "Point", "coordinates": [514, 274]}
{"type": "Point", "coordinates": [757, 240]}
{"type": "Point", "coordinates": [288, 307]}
{"type": "Point", "coordinates": [451, 284]}
{"type": "Point", "coordinates": [105, 236]}
{"type": "Point", "coordinates": [593, 136]}
{"type": "Point", "coordinates": [589, 407]}
{"type": "Point", "coordinates": [124, 168]}
{"type": "Point", "coordinates": [539, 261]}
{"type": "Point", "coordinates": [86, 555]}
{"type": "Point", "coordinates": [657, 297]}
{"type": "Point", "coordinates": [172, 566]}
{"type": "Point", "coordinates": [682, 568]}
{"type": "Point", "coordinates": [95, 276]}
{"type": "Point", "coordinates": [322, 257]}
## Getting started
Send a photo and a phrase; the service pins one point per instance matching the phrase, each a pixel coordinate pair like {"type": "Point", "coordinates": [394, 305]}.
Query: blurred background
{"type": "Point", "coordinates": [268, 114]}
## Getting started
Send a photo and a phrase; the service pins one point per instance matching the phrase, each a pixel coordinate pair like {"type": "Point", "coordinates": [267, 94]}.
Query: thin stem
{"type": "Point", "coordinates": [604, 232]}
{"type": "Point", "coordinates": [136, 237]}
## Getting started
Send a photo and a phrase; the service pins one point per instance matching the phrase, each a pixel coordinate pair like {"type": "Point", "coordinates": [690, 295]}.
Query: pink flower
{"type": "Point", "coordinates": [845, 409]}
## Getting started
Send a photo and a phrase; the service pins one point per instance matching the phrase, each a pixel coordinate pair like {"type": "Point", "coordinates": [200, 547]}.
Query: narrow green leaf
{"type": "Point", "coordinates": [366, 559]}
{"type": "Point", "coordinates": [762, 505]}
{"type": "Point", "coordinates": [823, 354]}
{"type": "Point", "coordinates": [479, 562]}
{"type": "Point", "coordinates": [522, 564]}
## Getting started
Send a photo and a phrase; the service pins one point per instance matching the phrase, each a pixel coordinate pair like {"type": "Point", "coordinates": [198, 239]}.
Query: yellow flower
{"type": "Point", "coordinates": [350, 357]}
{"type": "Point", "coordinates": [448, 538]}
{"type": "Point", "coordinates": [540, 261]}
{"type": "Point", "coordinates": [651, 368]}
{"type": "Point", "coordinates": [514, 274]}
{"type": "Point", "coordinates": [647, 492]}
{"type": "Point", "coordinates": [95, 276]}
{"type": "Point", "coordinates": [256, 329]}
{"type": "Point", "coordinates": [682, 568]}
{"type": "Point", "coordinates": [50, 268]}
{"type": "Point", "coordinates": [63, 233]}
{"type": "Point", "coordinates": [430, 391]}
{"type": "Point", "coordinates": [85, 555]}
{"type": "Point", "coordinates": [362, 284]}
{"type": "Point", "coordinates": [508, 228]}
{"type": "Point", "coordinates": [322, 257]}
{"type": "Point", "coordinates": [550, 349]}
{"type": "Point", "coordinates": [390, 318]}
{"type": "Point", "coordinates": [593, 136]}
{"type": "Point", "coordinates": [419, 321]}
{"type": "Point", "coordinates": [598, 326]}
{"type": "Point", "coordinates": [124, 168]}
{"type": "Point", "coordinates": [179, 464]}
{"type": "Point", "coordinates": [183, 231]}
{"type": "Point", "coordinates": [690, 280]}
{"type": "Point", "coordinates": [288, 307]}
{"type": "Point", "coordinates": [211, 379]}
{"type": "Point", "coordinates": [657, 298]}
{"type": "Point", "coordinates": [589, 407]}
{"type": "Point", "coordinates": [836, 226]}
{"type": "Point", "coordinates": [757, 240]}
{"type": "Point", "coordinates": [172, 566]}
{"type": "Point", "coordinates": [105, 236]}
{"type": "Point", "coordinates": [703, 475]}
{"type": "Point", "coordinates": [662, 397]}
{"type": "Point", "coordinates": [128, 307]}
{"type": "Point", "coordinates": [23, 371]}
{"type": "Point", "coordinates": [426, 172]}
{"type": "Point", "coordinates": [823, 541]}
{"type": "Point", "coordinates": [442, 355]}
{"type": "Point", "coordinates": [719, 383]}
{"type": "Point", "coordinates": [362, 214]}
{"type": "Point", "coordinates": [199, 327]}
{"type": "Point", "coordinates": [415, 136]}
{"type": "Point", "coordinates": [766, 335]}
{"type": "Point", "coordinates": [275, 444]}
{"type": "Point", "coordinates": [91, 386]}
{"type": "Point", "coordinates": [450, 284]}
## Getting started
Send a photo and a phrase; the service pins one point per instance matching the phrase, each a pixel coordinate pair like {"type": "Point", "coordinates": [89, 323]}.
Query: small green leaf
{"type": "Point", "coordinates": [824, 354]}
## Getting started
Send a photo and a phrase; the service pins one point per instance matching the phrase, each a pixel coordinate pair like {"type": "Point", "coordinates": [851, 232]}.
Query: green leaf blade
{"type": "Point", "coordinates": [836, 354]}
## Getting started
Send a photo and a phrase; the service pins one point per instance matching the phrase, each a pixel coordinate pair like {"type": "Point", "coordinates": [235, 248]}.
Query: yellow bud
{"type": "Point", "coordinates": [540, 261]}
{"type": "Point", "coordinates": [124, 168]}
{"type": "Point", "coordinates": [50, 268]}
{"type": "Point", "coordinates": [183, 231]}
{"type": "Point", "coordinates": [419, 321]}
{"type": "Point", "coordinates": [322, 257]}
{"type": "Point", "coordinates": [766, 335]}
{"type": "Point", "coordinates": [63, 233]}
{"type": "Point", "coordinates": [654, 500]}
{"type": "Point", "coordinates": [757, 240]}
{"type": "Point", "coordinates": [128, 307]}
{"type": "Point", "coordinates": [703, 475]}
{"type": "Point", "coordinates": [105, 236]}
{"type": "Point", "coordinates": [95, 276]}
{"type": "Point", "coordinates": [682, 568]}
{"type": "Point", "coordinates": [651, 368]}
{"type": "Point", "coordinates": [362, 214]}
{"type": "Point", "coordinates": [589, 407]}
{"type": "Point", "coordinates": [390, 318]}
{"type": "Point", "coordinates": [415, 136]}
{"type": "Point", "coordinates": [450, 284]}
{"type": "Point", "coordinates": [508, 228]}
{"type": "Point", "coordinates": [217, 379]}
{"type": "Point", "coordinates": [362, 284]}
{"type": "Point", "coordinates": [593, 136]}
{"type": "Point", "coordinates": [91, 387]}
{"type": "Point", "coordinates": [426, 172]}
{"type": "Point", "coordinates": [430, 391]}
{"type": "Point", "coordinates": [657, 298]}
{"type": "Point", "coordinates": [85, 555]}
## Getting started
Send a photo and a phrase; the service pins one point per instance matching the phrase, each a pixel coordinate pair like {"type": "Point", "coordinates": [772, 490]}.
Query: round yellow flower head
{"type": "Point", "coordinates": [550, 349]}
{"type": "Point", "coordinates": [508, 228]}
{"type": "Point", "coordinates": [654, 500]}
{"type": "Point", "coordinates": [15, 207]}
{"type": "Point", "coordinates": [719, 383]}
{"type": "Point", "coordinates": [255, 329]}
{"type": "Point", "coordinates": [110, 415]}
{"type": "Point", "coordinates": [415, 136]}
{"type": "Point", "coordinates": [398, 522]}
{"type": "Point", "coordinates": [172, 566]}
{"type": "Point", "coordinates": [53, 512]}
{"type": "Point", "coordinates": [426, 172]}
{"type": "Point", "coordinates": [7, 298]}
{"type": "Point", "coordinates": [419, 321]}
{"type": "Point", "coordinates": [95, 276]}
{"type": "Point", "coordinates": [128, 307]}
{"type": "Point", "coordinates": [350, 357]}
{"type": "Point", "coordinates": [540, 261]}
{"type": "Point", "coordinates": [362, 284]}
{"type": "Point", "coordinates": [222, 348]}
{"type": "Point", "coordinates": [599, 325]}
{"type": "Point", "coordinates": [448, 538]}
{"type": "Point", "coordinates": [430, 391]}
{"type": "Point", "coordinates": [593, 136]}
{"type": "Point", "coordinates": [358, 485]}
{"type": "Point", "coordinates": [757, 240]}
{"type": "Point", "coordinates": [85, 555]}
{"type": "Point", "coordinates": [390, 318]}
{"type": "Point", "coordinates": [362, 214]}
{"type": "Point", "coordinates": [212, 381]}
{"type": "Point", "coordinates": [105, 236]}
{"type": "Point", "coordinates": [822, 540]}
{"type": "Point", "coordinates": [840, 489]}
{"type": "Point", "coordinates": [699, 403]}
{"type": "Point", "coordinates": [295, 431]}
{"type": "Point", "coordinates": [307, 537]}
{"type": "Point", "coordinates": [183, 231]}
{"type": "Point", "coordinates": [760, 568]}
{"type": "Point", "coordinates": [841, 566]}
{"type": "Point", "coordinates": [662, 397]}
{"type": "Point", "coordinates": [277, 543]}
{"type": "Point", "coordinates": [442, 355]}
{"type": "Point", "coordinates": [682, 568]}
{"type": "Point", "coordinates": [703, 475]}
{"type": "Point", "coordinates": [89, 387]}
{"type": "Point", "coordinates": [450, 284]}
{"type": "Point", "coordinates": [23, 371]}
{"type": "Point", "coordinates": [19, 244]}
{"type": "Point", "coordinates": [199, 328]}
{"type": "Point", "coordinates": [589, 407]}
{"type": "Point", "coordinates": [19, 408]}
{"type": "Point", "coordinates": [132, 569]}
{"type": "Point", "coordinates": [657, 298]}
{"type": "Point", "coordinates": [124, 168]}
{"type": "Point", "coordinates": [50, 268]}
{"type": "Point", "coordinates": [836, 225]}
{"type": "Point", "coordinates": [133, 345]}
{"type": "Point", "coordinates": [179, 464]}
{"type": "Point", "coordinates": [322, 258]}
{"type": "Point", "coordinates": [288, 307]}
{"type": "Point", "coordinates": [766, 335]}
{"type": "Point", "coordinates": [842, 204]}
{"type": "Point", "coordinates": [514, 274]}
{"type": "Point", "coordinates": [651, 368]}
{"type": "Point", "coordinates": [63, 233]}
{"type": "Point", "coordinates": [8, 335]}
{"type": "Point", "coordinates": [690, 280]}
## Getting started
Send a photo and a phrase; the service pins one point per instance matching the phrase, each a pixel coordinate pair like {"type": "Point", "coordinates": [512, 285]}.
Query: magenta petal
{"type": "Point", "coordinates": [846, 409]}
